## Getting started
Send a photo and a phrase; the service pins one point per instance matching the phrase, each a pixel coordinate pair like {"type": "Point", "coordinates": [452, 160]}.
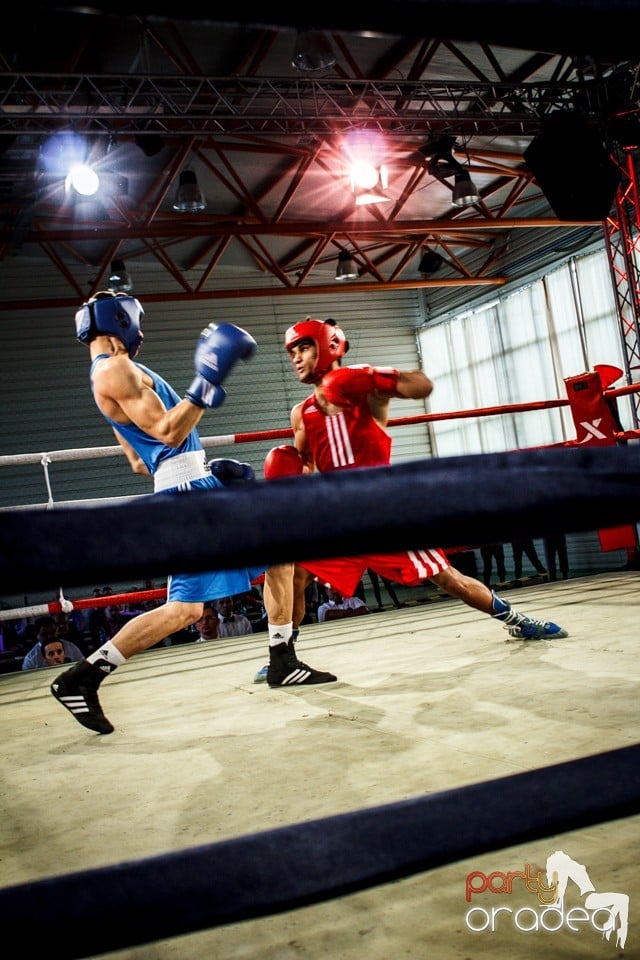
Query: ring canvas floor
{"type": "Point", "coordinates": [429, 697]}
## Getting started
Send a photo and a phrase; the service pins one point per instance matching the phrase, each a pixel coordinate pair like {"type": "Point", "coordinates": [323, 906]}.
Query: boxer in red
{"type": "Point", "coordinates": [342, 425]}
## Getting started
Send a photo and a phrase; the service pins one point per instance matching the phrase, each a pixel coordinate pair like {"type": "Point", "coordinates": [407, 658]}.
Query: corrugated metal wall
{"type": "Point", "coordinates": [46, 402]}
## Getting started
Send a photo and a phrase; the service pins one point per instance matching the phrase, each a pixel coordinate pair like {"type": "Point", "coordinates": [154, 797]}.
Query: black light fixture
{"type": "Point", "coordinates": [442, 165]}
{"type": "Point", "coordinates": [119, 279]}
{"type": "Point", "coordinates": [189, 198]}
{"type": "Point", "coordinates": [465, 192]}
{"type": "Point", "coordinates": [347, 268]}
{"type": "Point", "coordinates": [430, 262]}
{"type": "Point", "coordinates": [312, 51]}
{"type": "Point", "coordinates": [150, 144]}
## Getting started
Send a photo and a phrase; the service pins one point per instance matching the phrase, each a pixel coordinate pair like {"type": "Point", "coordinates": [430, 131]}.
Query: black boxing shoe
{"type": "Point", "coordinates": [77, 690]}
{"type": "Point", "coordinates": [285, 670]}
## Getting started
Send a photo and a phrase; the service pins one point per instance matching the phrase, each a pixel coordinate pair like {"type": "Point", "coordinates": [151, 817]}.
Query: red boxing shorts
{"type": "Point", "coordinates": [410, 568]}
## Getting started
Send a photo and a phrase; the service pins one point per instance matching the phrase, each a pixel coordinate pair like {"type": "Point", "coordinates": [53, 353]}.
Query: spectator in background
{"type": "Point", "coordinates": [105, 622]}
{"type": "Point", "coordinates": [252, 607]}
{"type": "Point", "coordinates": [207, 625]}
{"type": "Point", "coordinates": [375, 583]}
{"type": "Point", "coordinates": [490, 552]}
{"type": "Point", "coordinates": [47, 640]}
{"type": "Point", "coordinates": [115, 619]}
{"type": "Point", "coordinates": [314, 595]}
{"type": "Point", "coordinates": [67, 629]}
{"type": "Point", "coordinates": [338, 607]}
{"type": "Point", "coordinates": [527, 547]}
{"type": "Point", "coordinates": [556, 545]}
{"type": "Point", "coordinates": [230, 623]}
{"type": "Point", "coordinates": [149, 604]}
{"type": "Point", "coordinates": [14, 644]}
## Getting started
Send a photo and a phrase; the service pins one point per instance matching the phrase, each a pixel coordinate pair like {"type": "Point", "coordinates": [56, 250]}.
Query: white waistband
{"type": "Point", "coordinates": [180, 469]}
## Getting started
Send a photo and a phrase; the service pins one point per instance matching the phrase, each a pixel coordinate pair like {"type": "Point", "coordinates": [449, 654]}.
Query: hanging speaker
{"type": "Point", "coordinates": [572, 167]}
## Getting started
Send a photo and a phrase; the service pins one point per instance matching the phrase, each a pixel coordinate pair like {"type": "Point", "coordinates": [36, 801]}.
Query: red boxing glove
{"type": "Point", "coordinates": [344, 385]}
{"type": "Point", "coordinates": [284, 461]}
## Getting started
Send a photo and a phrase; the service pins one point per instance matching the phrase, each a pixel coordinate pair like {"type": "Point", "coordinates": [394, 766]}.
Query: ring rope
{"type": "Point", "coordinates": [64, 605]}
{"type": "Point", "coordinates": [260, 874]}
{"type": "Point", "coordinates": [87, 453]}
{"type": "Point", "coordinates": [447, 502]}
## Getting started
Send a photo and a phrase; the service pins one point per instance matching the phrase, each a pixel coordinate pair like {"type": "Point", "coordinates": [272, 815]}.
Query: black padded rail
{"type": "Point", "coordinates": [606, 29]}
{"type": "Point", "coordinates": [449, 502]}
{"type": "Point", "coordinates": [153, 899]}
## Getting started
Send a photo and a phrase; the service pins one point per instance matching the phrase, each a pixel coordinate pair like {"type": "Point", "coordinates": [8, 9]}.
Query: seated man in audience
{"type": "Point", "coordinates": [230, 623]}
{"type": "Point", "coordinates": [252, 606]}
{"type": "Point", "coordinates": [338, 607]}
{"type": "Point", "coordinates": [207, 625]}
{"type": "Point", "coordinates": [49, 649]}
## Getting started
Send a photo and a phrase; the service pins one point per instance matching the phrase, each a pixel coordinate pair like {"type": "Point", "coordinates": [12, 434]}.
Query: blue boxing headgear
{"type": "Point", "coordinates": [113, 315]}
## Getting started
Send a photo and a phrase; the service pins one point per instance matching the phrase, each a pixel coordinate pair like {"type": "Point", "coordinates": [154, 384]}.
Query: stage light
{"type": "Point", "coordinates": [119, 278]}
{"type": "Point", "coordinates": [312, 52]}
{"type": "Point", "coordinates": [347, 268]}
{"type": "Point", "coordinates": [189, 198]}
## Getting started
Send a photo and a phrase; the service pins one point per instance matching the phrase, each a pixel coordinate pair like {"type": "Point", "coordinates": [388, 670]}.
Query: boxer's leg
{"type": "Point", "coordinates": [282, 608]}
{"type": "Point", "coordinates": [478, 596]}
{"type": "Point", "coordinates": [77, 688]}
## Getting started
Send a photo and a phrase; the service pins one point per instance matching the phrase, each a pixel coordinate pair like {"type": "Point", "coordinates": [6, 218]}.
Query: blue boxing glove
{"type": "Point", "coordinates": [217, 351]}
{"type": "Point", "coordinates": [230, 472]}
{"type": "Point", "coordinates": [203, 394]}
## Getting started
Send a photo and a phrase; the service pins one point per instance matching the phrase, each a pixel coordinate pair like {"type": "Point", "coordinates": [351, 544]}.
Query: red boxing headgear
{"type": "Point", "coordinates": [329, 339]}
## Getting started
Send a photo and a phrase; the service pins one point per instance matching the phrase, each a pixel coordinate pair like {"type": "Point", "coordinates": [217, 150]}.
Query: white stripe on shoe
{"type": "Point", "coordinates": [76, 704]}
{"type": "Point", "coordinates": [296, 676]}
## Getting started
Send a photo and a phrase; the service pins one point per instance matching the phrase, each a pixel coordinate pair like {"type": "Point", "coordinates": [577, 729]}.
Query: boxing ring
{"type": "Point", "coordinates": [450, 502]}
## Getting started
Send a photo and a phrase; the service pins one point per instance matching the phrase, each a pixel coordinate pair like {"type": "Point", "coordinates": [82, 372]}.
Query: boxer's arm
{"type": "Point", "coordinates": [345, 385]}
{"type": "Point", "coordinates": [300, 439]}
{"type": "Point", "coordinates": [136, 462]}
{"type": "Point", "coordinates": [123, 394]}
{"type": "Point", "coordinates": [413, 385]}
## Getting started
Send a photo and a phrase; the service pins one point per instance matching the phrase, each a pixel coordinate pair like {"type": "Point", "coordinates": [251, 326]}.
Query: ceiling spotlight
{"type": "Point", "coordinates": [189, 198]}
{"type": "Point", "coordinates": [443, 165]}
{"type": "Point", "coordinates": [438, 148]}
{"type": "Point", "coordinates": [312, 52]}
{"type": "Point", "coordinates": [465, 192]}
{"type": "Point", "coordinates": [119, 279]}
{"type": "Point", "coordinates": [347, 268]}
{"type": "Point", "coordinates": [83, 179]}
{"type": "Point", "coordinates": [368, 182]}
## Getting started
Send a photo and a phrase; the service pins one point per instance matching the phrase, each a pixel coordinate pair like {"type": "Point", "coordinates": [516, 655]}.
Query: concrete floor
{"type": "Point", "coordinates": [430, 697]}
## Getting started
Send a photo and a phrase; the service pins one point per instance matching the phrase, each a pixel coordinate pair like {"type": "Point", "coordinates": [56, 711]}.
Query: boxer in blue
{"type": "Point", "coordinates": [158, 433]}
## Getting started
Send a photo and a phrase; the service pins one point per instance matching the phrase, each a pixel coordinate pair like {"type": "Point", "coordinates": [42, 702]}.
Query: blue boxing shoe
{"type": "Point", "coordinates": [521, 627]}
